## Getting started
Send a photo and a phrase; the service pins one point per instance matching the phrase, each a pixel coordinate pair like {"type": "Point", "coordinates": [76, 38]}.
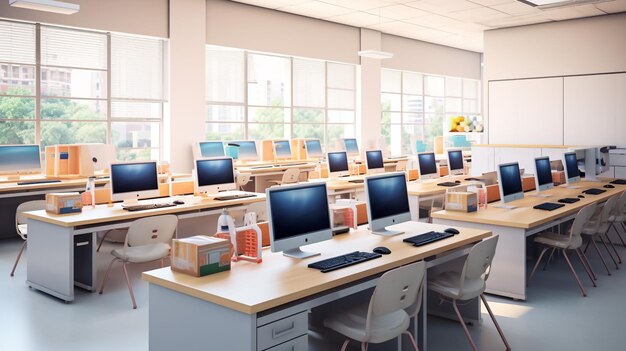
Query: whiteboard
{"type": "Point", "coordinates": [528, 111]}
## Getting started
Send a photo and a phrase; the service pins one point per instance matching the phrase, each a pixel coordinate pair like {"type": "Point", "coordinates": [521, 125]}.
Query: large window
{"type": "Point", "coordinates": [259, 96]}
{"type": "Point", "coordinates": [88, 87]}
{"type": "Point", "coordinates": [417, 108]}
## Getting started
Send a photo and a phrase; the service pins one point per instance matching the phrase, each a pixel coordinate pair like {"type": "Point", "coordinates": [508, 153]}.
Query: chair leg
{"type": "Point", "coordinates": [606, 235]}
{"type": "Point", "coordinates": [467, 334]}
{"type": "Point", "coordinates": [606, 247]}
{"type": "Point", "coordinates": [102, 240]}
{"type": "Point", "coordinates": [606, 266]}
{"type": "Point", "coordinates": [593, 282]}
{"type": "Point", "coordinates": [130, 287]}
{"type": "Point", "coordinates": [106, 275]}
{"type": "Point", "coordinates": [619, 235]}
{"type": "Point", "coordinates": [537, 264]}
{"type": "Point", "coordinates": [364, 346]}
{"type": "Point", "coordinates": [345, 345]}
{"type": "Point", "coordinates": [19, 255]}
{"type": "Point", "coordinates": [493, 318]}
{"type": "Point", "coordinates": [580, 285]}
{"type": "Point", "coordinates": [413, 342]}
{"type": "Point", "coordinates": [545, 265]}
{"type": "Point", "coordinates": [593, 274]}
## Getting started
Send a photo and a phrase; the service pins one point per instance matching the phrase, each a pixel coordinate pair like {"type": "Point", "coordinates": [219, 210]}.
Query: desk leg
{"type": "Point", "coordinates": [414, 206]}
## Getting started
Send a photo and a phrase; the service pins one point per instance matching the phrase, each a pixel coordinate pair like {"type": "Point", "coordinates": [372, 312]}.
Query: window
{"type": "Point", "coordinates": [260, 96]}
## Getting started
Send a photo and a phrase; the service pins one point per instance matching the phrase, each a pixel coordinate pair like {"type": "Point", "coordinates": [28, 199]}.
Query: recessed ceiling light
{"type": "Point", "coordinates": [47, 6]}
{"type": "Point", "coordinates": [547, 4]}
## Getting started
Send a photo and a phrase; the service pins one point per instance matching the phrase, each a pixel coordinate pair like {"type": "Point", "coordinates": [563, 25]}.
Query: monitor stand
{"type": "Point", "coordinates": [386, 232]}
{"type": "Point", "coordinates": [540, 195]}
{"type": "Point", "coordinates": [297, 253]}
{"type": "Point", "coordinates": [130, 202]}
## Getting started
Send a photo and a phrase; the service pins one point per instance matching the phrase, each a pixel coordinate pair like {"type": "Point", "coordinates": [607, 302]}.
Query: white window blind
{"type": "Point", "coordinates": [71, 48]}
{"type": "Point", "coordinates": [17, 43]}
{"type": "Point", "coordinates": [308, 83]}
{"type": "Point", "coordinates": [224, 75]}
{"type": "Point", "coordinates": [136, 67]}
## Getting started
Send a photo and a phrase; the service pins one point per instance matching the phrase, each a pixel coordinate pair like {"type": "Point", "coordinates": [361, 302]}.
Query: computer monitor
{"type": "Point", "coordinates": [351, 146]}
{"type": "Point", "coordinates": [571, 167]}
{"type": "Point", "coordinates": [131, 181]}
{"type": "Point", "coordinates": [282, 149]}
{"type": "Point", "coordinates": [338, 164]}
{"type": "Point", "coordinates": [374, 161]}
{"type": "Point", "coordinates": [96, 157]}
{"type": "Point", "coordinates": [427, 165]}
{"type": "Point", "coordinates": [455, 162]}
{"type": "Point", "coordinates": [20, 159]}
{"type": "Point", "coordinates": [543, 173]}
{"type": "Point", "coordinates": [212, 175]}
{"type": "Point", "coordinates": [246, 149]}
{"type": "Point", "coordinates": [298, 215]}
{"type": "Point", "coordinates": [313, 148]}
{"type": "Point", "coordinates": [510, 182]}
{"type": "Point", "coordinates": [387, 202]}
{"type": "Point", "coordinates": [206, 149]}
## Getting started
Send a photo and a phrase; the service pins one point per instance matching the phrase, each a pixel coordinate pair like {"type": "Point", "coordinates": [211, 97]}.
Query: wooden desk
{"type": "Point", "coordinates": [61, 248]}
{"type": "Point", "coordinates": [429, 190]}
{"type": "Point", "coordinates": [264, 171]}
{"type": "Point", "coordinates": [508, 275]}
{"type": "Point", "coordinates": [233, 310]}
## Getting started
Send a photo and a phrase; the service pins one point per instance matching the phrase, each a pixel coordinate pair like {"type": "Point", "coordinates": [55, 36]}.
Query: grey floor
{"type": "Point", "coordinates": [555, 316]}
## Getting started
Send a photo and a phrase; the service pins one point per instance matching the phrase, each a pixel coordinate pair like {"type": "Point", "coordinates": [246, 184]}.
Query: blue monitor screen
{"type": "Point", "coordinates": [388, 196]}
{"type": "Point", "coordinates": [455, 158]}
{"type": "Point", "coordinates": [300, 210]}
{"type": "Point", "coordinates": [351, 146]}
{"type": "Point", "coordinates": [247, 149]}
{"type": "Point", "coordinates": [14, 158]}
{"type": "Point", "coordinates": [571, 165]}
{"type": "Point", "coordinates": [544, 172]}
{"type": "Point", "coordinates": [510, 178]}
{"type": "Point", "coordinates": [282, 148]}
{"type": "Point", "coordinates": [212, 149]}
{"type": "Point", "coordinates": [313, 148]}
{"type": "Point", "coordinates": [337, 161]}
{"type": "Point", "coordinates": [134, 177]}
{"type": "Point", "coordinates": [374, 159]}
{"type": "Point", "coordinates": [214, 171]}
{"type": "Point", "coordinates": [427, 163]}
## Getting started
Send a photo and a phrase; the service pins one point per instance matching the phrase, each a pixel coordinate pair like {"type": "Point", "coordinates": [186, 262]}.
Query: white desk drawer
{"type": "Point", "coordinates": [298, 344]}
{"type": "Point", "coordinates": [282, 330]}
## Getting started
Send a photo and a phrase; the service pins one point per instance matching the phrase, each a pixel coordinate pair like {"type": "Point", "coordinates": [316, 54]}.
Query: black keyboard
{"type": "Point", "coordinates": [594, 191]}
{"type": "Point", "coordinates": [44, 181]}
{"type": "Point", "coordinates": [448, 184]}
{"type": "Point", "coordinates": [568, 200]}
{"type": "Point", "coordinates": [234, 197]}
{"type": "Point", "coordinates": [358, 181]}
{"type": "Point", "coordinates": [427, 238]}
{"type": "Point", "coordinates": [134, 208]}
{"type": "Point", "coordinates": [333, 263]}
{"type": "Point", "coordinates": [548, 206]}
{"type": "Point", "coordinates": [619, 181]}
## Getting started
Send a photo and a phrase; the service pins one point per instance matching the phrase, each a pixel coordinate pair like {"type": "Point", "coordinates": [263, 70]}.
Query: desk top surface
{"type": "Point", "coordinates": [522, 146]}
{"type": "Point", "coordinates": [104, 213]}
{"type": "Point", "coordinates": [263, 167]}
{"type": "Point", "coordinates": [250, 288]}
{"type": "Point", "coordinates": [525, 216]}
{"type": "Point", "coordinates": [430, 187]}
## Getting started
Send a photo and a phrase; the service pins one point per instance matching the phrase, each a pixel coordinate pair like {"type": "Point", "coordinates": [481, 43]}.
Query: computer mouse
{"type": "Point", "coordinates": [452, 231]}
{"type": "Point", "coordinates": [178, 202]}
{"type": "Point", "coordinates": [457, 181]}
{"type": "Point", "coordinates": [382, 250]}
{"type": "Point", "coordinates": [581, 196]}
{"type": "Point", "coordinates": [609, 186]}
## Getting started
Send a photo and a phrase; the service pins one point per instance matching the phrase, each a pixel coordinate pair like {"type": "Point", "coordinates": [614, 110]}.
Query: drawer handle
{"type": "Point", "coordinates": [276, 335]}
{"type": "Point", "coordinates": [82, 243]}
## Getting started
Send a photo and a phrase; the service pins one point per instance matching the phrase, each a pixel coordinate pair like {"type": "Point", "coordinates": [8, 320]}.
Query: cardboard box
{"type": "Point", "coordinates": [63, 203]}
{"type": "Point", "coordinates": [200, 255]}
{"type": "Point", "coordinates": [461, 201]}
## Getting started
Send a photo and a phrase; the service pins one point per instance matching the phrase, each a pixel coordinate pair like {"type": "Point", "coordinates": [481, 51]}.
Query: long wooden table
{"type": "Point", "coordinates": [262, 172]}
{"type": "Point", "coordinates": [259, 306]}
{"type": "Point", "coordinates": [508, 274]}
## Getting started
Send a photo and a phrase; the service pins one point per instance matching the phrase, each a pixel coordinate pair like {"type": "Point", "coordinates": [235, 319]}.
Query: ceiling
{"type": "Point", "coordinates": [456, 23]}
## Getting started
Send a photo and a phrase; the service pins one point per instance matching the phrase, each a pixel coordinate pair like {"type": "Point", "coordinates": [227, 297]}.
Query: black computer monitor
{"type": "Point", "coordinates": [455, 162]}
{"type": "Point", "coordinates": [19, 159]}
{"type": "Point", "coordinates": [427, 165]}
{"type": "Point", "coordinates": [543, 173]}
{"type": "Point", "coordinates": [510, 182]}
{"type": "Point", "coordinates": [374, 161]}
{"type": "Point", "coordinates": [131, 181]}
{"type": "Point", "coordinates": [571, 167]}
{"type": "Point", "coordinates": [298, 215]}
{"type": "Point", "coordinates": [387, 202]}
{"type": "Point", "coordinates": [338, 164]}
{"type": "Point", "coordinates": [213, 175]}
{"type": "Point", "coordinates": [210, 149]}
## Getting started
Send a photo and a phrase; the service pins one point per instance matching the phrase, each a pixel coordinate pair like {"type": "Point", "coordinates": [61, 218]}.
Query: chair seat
{"type": "Point", "coordinates": [351, 323]}
{"type": "Point", "coordinates": [618, 218]}
{"type": "Point", "coordinates": [559, 241]}
{"type": "Point", "coordinates": [144, 253]}
{"type": "Point", "coordinates": [447, 284]}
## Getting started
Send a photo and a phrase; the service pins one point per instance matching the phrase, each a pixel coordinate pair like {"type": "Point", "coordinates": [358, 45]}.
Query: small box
{"type": "Point", "coordinates": [465, 201]}
{"type": "Point", "coordinates": [200, 255]}
{"type": "Point", "coordinates": [63, 203]}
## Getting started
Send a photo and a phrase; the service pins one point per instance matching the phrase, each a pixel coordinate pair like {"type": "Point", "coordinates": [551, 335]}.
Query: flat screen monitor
{"type": "Point", "coordinates": [131, 181]}
{"type": "Point", "coordinates": [338, 164]}
{"type": "Point", "coordinates": [298, 215]}
{"type": "Point", "coordinates": [313, 149]}
{"type": "Point", "coordinates": [96, 157]}
{"type": "Point", "coordinates": [510, 182]}
{"type": "Point", "coordinates": [282, 149]}
{"type": "Point", "coordinates": [387, 202]}
{"type": "Point", "coordinates": [571, 167]}
{"type": "Point", "coordinates": [210, 149]}
{"type": "Point", "coordinates": [543, 173]}
{"type": "Point", "coordinates": [213, 175]}
{"type": "Point", "coordinates": [351, 146]}
{"type": "Point", "coordinates": [374, 161]}
{"type": "Point", "coordinates": [246, 149]}
{"type": "Point", "coordinates": [20, 159]}
{"type": "Point", "coordinates": [427, 165]}
{"type": "Point", "coordinates": [455, 162]}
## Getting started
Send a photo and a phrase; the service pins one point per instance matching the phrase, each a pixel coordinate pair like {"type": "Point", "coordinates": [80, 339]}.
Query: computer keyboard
{"type": "Point", "coordinates": [290, 164]}
{"type": "Point", "coordinates": [234, 197]}
{"type": "Point", "coordinates": [448, 184]}
{"type": "Point", "coordinates": [261, 167]}
{"type": "Point", "coordinates": [43, 181]}
{"type": "Point", "coordinates": [427, 238]}
{"type": "Point", "coordinates": [396, 157]}
{"type": "Point", "coordinates": [134, 208]}
{"type": "Point", "coordinates": [619, 181]}
{"type": "Point", "coordinates": [568, 200]}
{"type": "Point", "coordinates": [594, 191]}
{"type": "Point", "coordinates": [358, 181]}
{"type": "Point", "coordinates": [333, 263]}
{"type": "Point", "coordinates": [548, 206]}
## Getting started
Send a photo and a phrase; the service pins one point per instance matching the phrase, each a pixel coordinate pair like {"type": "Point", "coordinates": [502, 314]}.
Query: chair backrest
{"type": "Point", "coordinates": [33, 205]}
{"type": "Point", "coordinates": [620, 207]}
{"type": "Point", "coordinates": [151, 230]}
{"type": "Point", "coordinates": [582, 217]}
{"type": "Point", "coordinates": [291, 176]}
{"type": "Point", "coordinates": [401, 166]}
{"type": "Point", "coordinates": [478, 262]}
{"type": "Point", "coordinates": [398, 289]}
{"type": "Point", "coordinates": [608, 209]}
{"type": "Point", "coordinates": [243, 179]}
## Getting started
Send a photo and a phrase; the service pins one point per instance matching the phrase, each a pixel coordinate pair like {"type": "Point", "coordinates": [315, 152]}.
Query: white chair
{"type": "Point", "coordinates": [20, 224]}
{"type": "Point", "coordinates": [396, 299]}
{"type": "Point", "coordinates": [619, 216]}
{"type": "Point", "coordinates": [468, 282]}
{"type": "Point", "coordinates": [291, 176]}
{"type": "Point", "coordinates": [148, 240]}
{"type": "Point", "coordinates": [572, 241]}
{"type": "Point", "coordinates": [598, 226]}
{"type": "Point", "coordinates": [243, 179]}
